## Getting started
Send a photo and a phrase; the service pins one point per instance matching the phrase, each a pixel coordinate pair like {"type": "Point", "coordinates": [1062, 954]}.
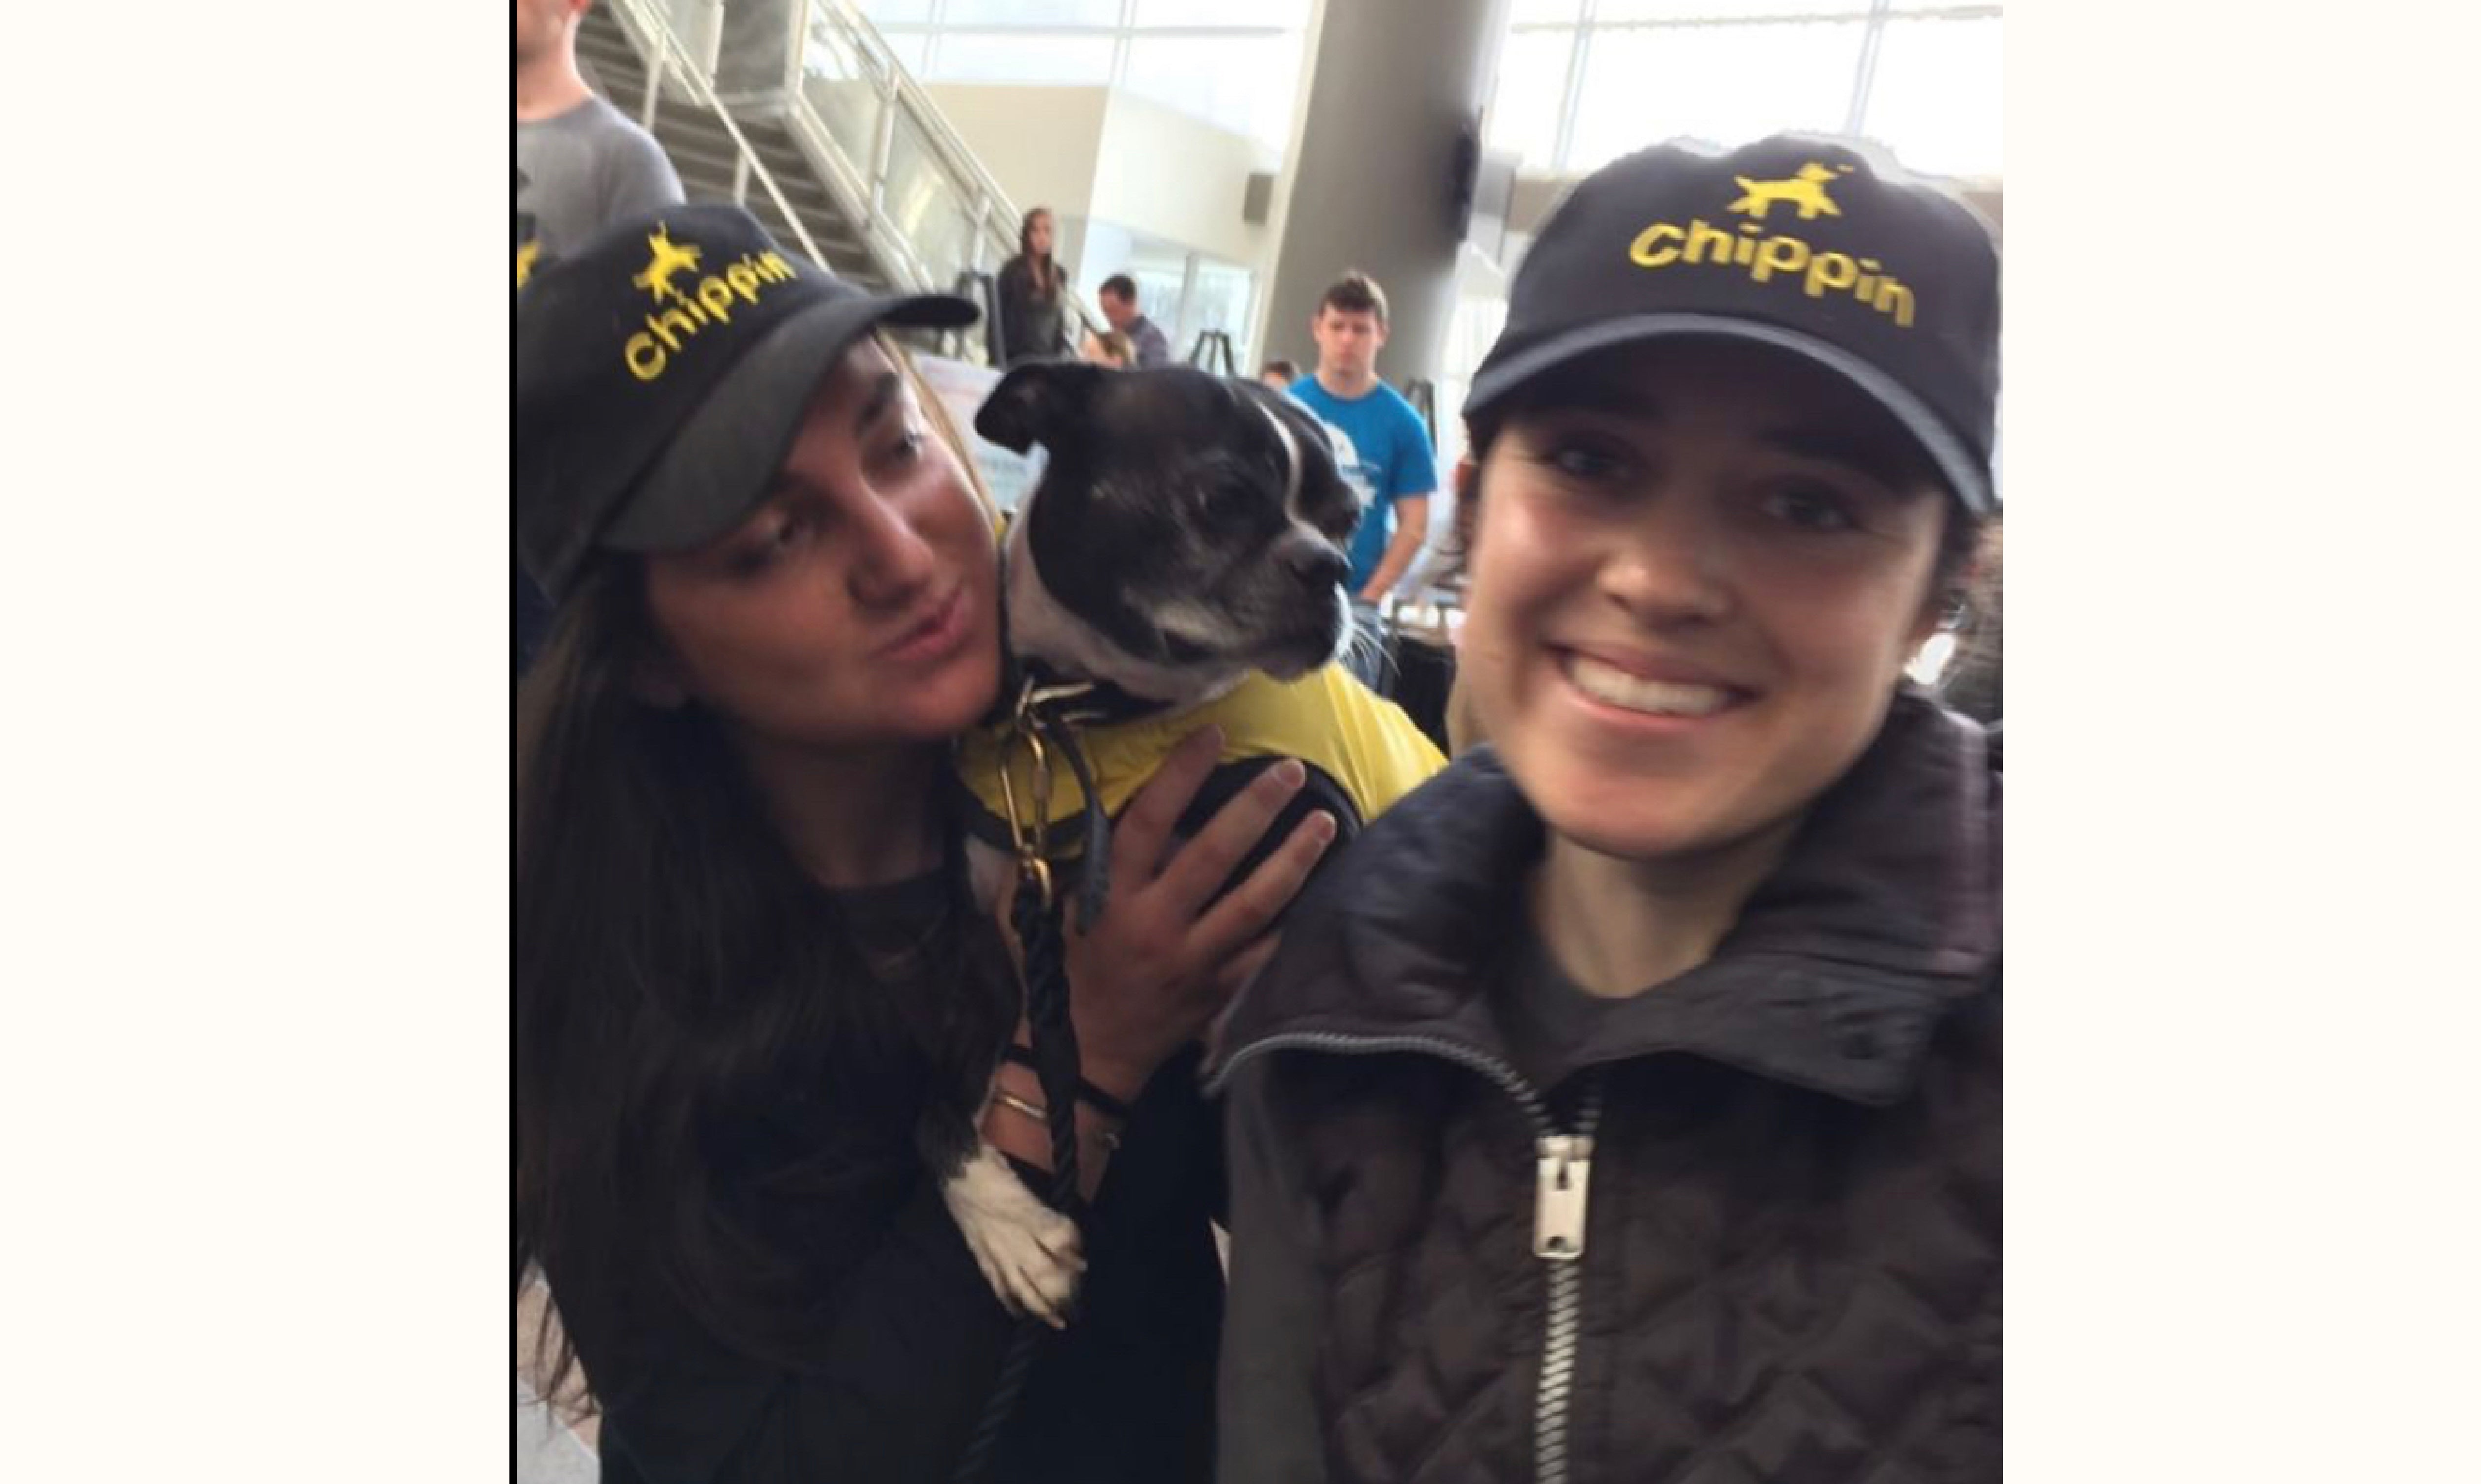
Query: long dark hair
{"type": "Point", "coordinates": [708, 1065]}
{"type": "Point", "coordinates": [1044, 271]}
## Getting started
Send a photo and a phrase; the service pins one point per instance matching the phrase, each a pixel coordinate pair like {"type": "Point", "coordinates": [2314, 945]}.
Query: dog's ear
{"type": "Point", "coordinates": [1034, 401]}
{"type": "Point", "coordinates": [1309, 435]}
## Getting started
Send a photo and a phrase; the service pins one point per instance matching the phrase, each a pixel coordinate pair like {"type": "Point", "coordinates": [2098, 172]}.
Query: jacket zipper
{"type": "Point", "coordinates": [1562, 1165]}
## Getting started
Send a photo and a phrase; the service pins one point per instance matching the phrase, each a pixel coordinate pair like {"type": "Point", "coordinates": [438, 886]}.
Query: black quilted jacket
{"type": "Point", "coordinates": [1790, 1232]}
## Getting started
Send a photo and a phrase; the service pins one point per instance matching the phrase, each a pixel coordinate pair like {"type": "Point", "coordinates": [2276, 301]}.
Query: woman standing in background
{"type": "Point", "coordinates": [1034, 302]}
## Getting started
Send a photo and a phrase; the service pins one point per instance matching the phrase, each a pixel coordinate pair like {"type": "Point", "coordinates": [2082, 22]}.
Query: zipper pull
{"type": "Point", "coordinates": [1562, 1162]}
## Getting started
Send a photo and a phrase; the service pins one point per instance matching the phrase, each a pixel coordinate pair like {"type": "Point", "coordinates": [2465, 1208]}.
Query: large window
{"type": "Point", "coordinates": [1582, 82]}
{"type": "Point", "coordinates": [1934, 93]}
{"type": "Point", "coordinates": [1234, 64]}
{"type": "Point", "coordinates": [1224, 301]}
{"type": "Point", "coordinates": [1219, 296]}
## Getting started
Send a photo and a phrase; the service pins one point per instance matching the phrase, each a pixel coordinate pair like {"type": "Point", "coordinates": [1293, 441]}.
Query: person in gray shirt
{"type": "Point", "coordinates": [1119, 301]}
{"type": "Point", "coordinates": [580, 163]}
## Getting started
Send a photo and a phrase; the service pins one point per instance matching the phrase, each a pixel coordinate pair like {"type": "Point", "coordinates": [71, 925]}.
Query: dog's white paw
{"type": "Point", "coordinates": [1030, 1254]}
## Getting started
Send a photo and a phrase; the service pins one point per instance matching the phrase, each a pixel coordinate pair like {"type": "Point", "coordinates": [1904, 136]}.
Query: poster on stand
{"type": "Point", "coordinates": [961, 387]}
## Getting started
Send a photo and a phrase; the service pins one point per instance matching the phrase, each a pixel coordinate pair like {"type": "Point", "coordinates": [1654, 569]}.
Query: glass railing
{"type": "Point", "coordinates": [927, 202]}
{"type": "Point", "coordinates": [928, 213]}
{"type": "Point", "coordinates": [670, 65]}
{"type": "Point", "coordinates": [697, 25]}
{"type": "Point", "coordinates": [838, 80]}
{"type": "Point", "coordinates": [930, 206]}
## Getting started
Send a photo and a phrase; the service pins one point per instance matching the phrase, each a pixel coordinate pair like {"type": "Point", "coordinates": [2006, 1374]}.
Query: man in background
{"type": "Point", "coordinates": [580, 163]}
{"type": "Point", "coordinates": [1118, 297]}
{"type": "Point", "coordinates": [1381, 444]}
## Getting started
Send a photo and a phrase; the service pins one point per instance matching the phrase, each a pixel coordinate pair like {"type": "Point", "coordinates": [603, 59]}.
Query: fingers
{"type": "Point", "coordinates": [1252, 906]}
{"type": "Point", "coordinates": [1205, 863]}
{"type": "Point", "coordinates": [1144, 831]}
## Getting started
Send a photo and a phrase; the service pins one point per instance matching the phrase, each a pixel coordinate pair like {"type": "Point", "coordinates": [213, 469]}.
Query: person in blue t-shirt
{"type": "Point", "coordinates": [1381, 444]}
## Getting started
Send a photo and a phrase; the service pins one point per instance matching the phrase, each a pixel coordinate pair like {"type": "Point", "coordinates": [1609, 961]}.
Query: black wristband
{"type": "Point", "coordinates": [1088, 1093]}
{"type": "Point", "coordinates": [1100, 1102]}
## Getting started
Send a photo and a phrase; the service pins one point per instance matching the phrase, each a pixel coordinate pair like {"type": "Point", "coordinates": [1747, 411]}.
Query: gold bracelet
{"type": "Point", "coordinates": [1034, 1110]}
{"type": "Point", "coordinates": [1042, 1115]}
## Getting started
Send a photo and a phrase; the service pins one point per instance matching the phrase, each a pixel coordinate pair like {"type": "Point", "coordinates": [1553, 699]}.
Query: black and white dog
{"type": "Point", "coordinates": [1186, 529]}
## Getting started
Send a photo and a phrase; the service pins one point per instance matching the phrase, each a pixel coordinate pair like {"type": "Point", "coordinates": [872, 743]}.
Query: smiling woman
{"type": "Point", "coordinates": [1706, 938]}
{"type": "Point", "coordinates": [1698, 609]}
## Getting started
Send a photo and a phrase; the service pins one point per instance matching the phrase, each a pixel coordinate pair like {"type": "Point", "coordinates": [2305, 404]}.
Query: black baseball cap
{"type": "Point", "coordinates": [1818, 246]}
{"type": "Point", "coordinates": [661, 373]}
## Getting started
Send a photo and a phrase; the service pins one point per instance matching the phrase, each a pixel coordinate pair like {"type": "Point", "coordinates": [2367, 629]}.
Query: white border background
{"type": "Point", "coordinates": [254, 931]}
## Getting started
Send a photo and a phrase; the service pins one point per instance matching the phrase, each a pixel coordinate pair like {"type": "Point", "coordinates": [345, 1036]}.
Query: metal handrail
{"type": "Point", "coordinates": [858, 187]}
{"type": "Point", "coordinates": [857, 190]}
{"type": "Point", "coordinates": [663, 55]}
{"type": "Point", "coordinates": [995, 217]}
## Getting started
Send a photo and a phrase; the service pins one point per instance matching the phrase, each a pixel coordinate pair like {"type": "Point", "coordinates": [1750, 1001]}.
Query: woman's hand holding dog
{"type": "Point", "coordinates": [1157, 969]}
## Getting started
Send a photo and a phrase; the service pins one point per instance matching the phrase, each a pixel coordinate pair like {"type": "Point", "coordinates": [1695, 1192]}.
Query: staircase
{"type": "Point", "coordinates": [889, 194]}
{"type": "Point", "coordinates": [703, 152]}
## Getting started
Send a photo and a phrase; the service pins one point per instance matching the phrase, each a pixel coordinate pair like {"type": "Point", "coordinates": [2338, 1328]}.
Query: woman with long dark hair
{"type": "Point", "coordinates": [748, 949]}
{"type": "Point", "coordinates": [1033, 297]}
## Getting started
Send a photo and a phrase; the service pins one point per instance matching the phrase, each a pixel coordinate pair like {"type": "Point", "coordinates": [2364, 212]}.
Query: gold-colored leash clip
{"type": "Point", "coordinates": [1033, 864]}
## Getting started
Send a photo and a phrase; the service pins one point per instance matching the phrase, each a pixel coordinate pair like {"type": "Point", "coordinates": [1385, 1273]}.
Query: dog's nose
{"type": "Point", "coordinates": [1316, 563]}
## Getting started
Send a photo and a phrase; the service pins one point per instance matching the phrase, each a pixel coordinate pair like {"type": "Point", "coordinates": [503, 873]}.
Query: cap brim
{"type": "Point", "coordinates": [717, 468]}
{"type": "Point", "coordinates": [1968, 477]}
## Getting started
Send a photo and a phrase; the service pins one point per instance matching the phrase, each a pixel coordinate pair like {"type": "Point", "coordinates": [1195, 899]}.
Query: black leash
{"type": "Point", "coordinates": [1041, 725]}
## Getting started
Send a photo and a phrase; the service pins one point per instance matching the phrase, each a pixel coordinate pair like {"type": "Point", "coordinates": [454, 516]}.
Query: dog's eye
{"type": "Point", "coordinates": [1210, 496]}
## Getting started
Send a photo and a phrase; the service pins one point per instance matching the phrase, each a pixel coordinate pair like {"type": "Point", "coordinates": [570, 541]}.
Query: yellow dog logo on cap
{"type": "Point", "coordinates": [709, 300]}
{"type": "Point", "coordinates": [668, 260]}
{"type": "Point", "coordinates": [1768, 258]}
{"type": "Point", "coordinates": [1806, 189]}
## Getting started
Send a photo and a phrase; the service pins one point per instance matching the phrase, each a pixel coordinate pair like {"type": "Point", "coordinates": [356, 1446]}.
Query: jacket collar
{"type": "Point", "coordinates": [1884, 913]}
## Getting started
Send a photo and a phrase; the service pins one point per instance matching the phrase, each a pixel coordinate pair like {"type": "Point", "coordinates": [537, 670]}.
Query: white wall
{"type": "Point", "coordinates": [1117, 159]}
{"type": "Point", "coordinates": [1169, 175]}
{"type": "Point", "coordinates": [1040, 144]}
{"type": "Point", "coordinates": [1100, 250]}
